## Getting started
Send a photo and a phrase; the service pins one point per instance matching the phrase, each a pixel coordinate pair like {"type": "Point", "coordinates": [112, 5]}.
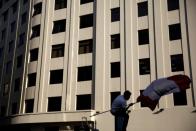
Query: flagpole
{"type": "Point", "coordinates": [98, 113]}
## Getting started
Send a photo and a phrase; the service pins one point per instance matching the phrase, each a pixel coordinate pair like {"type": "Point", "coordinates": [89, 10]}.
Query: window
{"type": "Point", "coordinates": [174, 32]}
{"type": "Point", "coordinates": [115, 41]}
{"type": "Point", "coordinates": [142, 9]}
{"type": "Point", "coordinates": [29, 104]}
{"type": "Point", "coordinates": [144, 66]}
{"type": "Point", "coordinates": [21, 39]}
{"type": "Point", "coordinates": [1, 52]}
{"type": "Point", "coordinates": [52, 128]}
{"type": "Point", "coordinates": [8, 67]}
{"type": "Point", "coordinates": [10, 46]}
{"type": "Point", "coordinates": [59, 26]}
{"type": "Point", "coordinates": [177, 63]}
{"type": "Point", "coordinates": [3, 111]}
{"type": "Point", "coordinates": [19, 61]}
{"type": "Point", "coordinates": [60, 4]}
{"type": "Point", "coordinates": [83, 102]}
{"type": "Point", "coordinates": [3, 34]}
{"type": "Point", "coordinates": [85, 46]}
{"type": "Point", "coordinates": [34, 54]}
{"type": "Point", "coordinates": [85, 73]}
{"type": "Point", "coordinates": [115, 14]}
{"type": "Point", "coordinates": [1, 3]}
{"type": "Point", "coordinates": [13, 26]}
{"type": "Point", "coordinates": [17, 84]}
{"type": "Point", "coordinates": [14, 108]}
{"type": "Point", "coordinates": [35, 31]}
{"type": "Point", "coordinates": [37, 9]}
{"type": "Point", "coordinates": [172, 5]}
{"type": "Point", "coordinates": [58, 50]}
{"type": "Point", "coordinates": [24, 18]}
{"type": "Point", "coordinates": [54, 104]}
{"type": "Point", "coordinates": [115, 69]}
{"type": "Point", "coordinates": [180, 98]}
{"type": "Point", "coordinates": [6, 89]}
{"type": "Point", "coordinates": [114, 95]}
{"type": "Point", "coordinates": [14, 7]}
{"type": "Point", "coordinates": [5, 15]}
{"type": "Point", "coordinates": [56, 76]}
{"type": "Point", "coordinates": [31, 79]}
{"type": "Point", "coordinates": [86, 21]}
{"type": "Point", "coordinates": [143, 37]}
{"type": "Point", "coordinates": [24, 2]}
{"type": "Point", "coordinates": [85, 1]}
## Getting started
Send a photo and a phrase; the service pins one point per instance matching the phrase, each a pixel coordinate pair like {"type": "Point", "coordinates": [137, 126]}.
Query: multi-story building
{"type": "Point", "coordinates": [61, 61]}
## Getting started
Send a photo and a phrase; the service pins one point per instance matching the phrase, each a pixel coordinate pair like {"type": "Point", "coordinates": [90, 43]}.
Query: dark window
{"type": "Point", "coordinates": [180, 98]}
{"type": "Point", "coordinates": [83, 102]}
{"type": "Point", "coordinates": [35, 31]}
{"type": "Point", "coordinates": [85, 1]}
{"type": "Point", "coordinates": [143, 37]}
{"type": "Point", "coordinates": [3, 111]}
{"type": "Point", "coordinates": [85, 46]}
{"type": "Point", "coordinates": [56, 76]}
{"type": "Point", "coordinates": [29, 104]}
{"type": "Point", "coordinates": [52, 128]}
{"type": "Point", "coordinates": [13, 26]}
{"type": "Point", "coordinates": [1, 3]}
{"type": "Point", "coordinates": [174, 32]}
{"type": "Point", "coordinates": [31, 79]}
{"type": "Point", "coordinates": [37, 9]}
{"type": "Point", "coordinates": [14, 7]}
{"type": "Point", "coordinates": [59, 26]}
{"type": "Point", "coordinates": [21, 39]}
{"type": "Point", "coordinates": [177, 63]}
{"type": "Point", "coordinates": [24, 2]}
{"type": "Point", "coordinates": [142, 9]}
{"type": "Point", "coordinates": [60, 4]}
{"type": "Point", "coordinates": [16, 84]}
{"type": "Point", "coordinates": [144, 66]}
{"type": "Point", "coordinates": [1, 52]}
{"type": "Point", "coordinates": [24, 18]}
{"type": "Point", "coordinates": [114, 95]}
{"type": "Point", "coordinates": [3, 34]}
{"type": "Point", "coordinates": [14, 108]}
{"type": "Point", "coordinates": [5, 89]}
{"type": "Point", "coordinates": [85, 73]}
{"type": "Point", "coordinates": [19, 61]}
{"type": "Point", "coordinates": [34, 54]}
{"type": "Point", "coordinates": [115, 14]}
{"type": "Point", "coordinates": [5, 15]}
{"type": "Point", "coordinates": [115, 69]}
{"type": "Point", "coordinates": [86, 21]}
{"type": "Point", "coordinates": [11, 45]}
{"type": "Point", "coordinates": [172, 5]}
{"type": "Point", "coordinates": [58, 50]}
{"type": "Point", "coordinates": [54, 104]}
{"type": "Point", "coordinates": [8, 67]}
{"type": "Point", "coordinates": [115, 41]}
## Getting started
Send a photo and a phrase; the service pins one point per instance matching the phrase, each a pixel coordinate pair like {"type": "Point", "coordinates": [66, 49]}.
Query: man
{"type": "Point", "coordinates": [119, 110]}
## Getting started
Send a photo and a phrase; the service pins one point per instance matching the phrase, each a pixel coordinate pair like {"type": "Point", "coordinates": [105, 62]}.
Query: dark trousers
{"type": "Point", "coordinates": [121, 122]}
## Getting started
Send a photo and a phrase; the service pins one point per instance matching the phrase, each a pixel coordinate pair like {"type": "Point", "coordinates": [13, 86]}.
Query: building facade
{"type": "Point", "coordinates": [71, 58]}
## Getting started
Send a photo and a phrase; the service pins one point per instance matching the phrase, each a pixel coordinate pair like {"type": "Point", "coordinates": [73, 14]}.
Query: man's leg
{"type": "Point", "coordinates": [119, 120]}
{"type": "Point", "coordinates": [125, 122]}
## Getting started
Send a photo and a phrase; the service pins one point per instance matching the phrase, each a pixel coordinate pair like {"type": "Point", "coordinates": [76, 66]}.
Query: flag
{"type": "Point", "coordinates": [163, 86]}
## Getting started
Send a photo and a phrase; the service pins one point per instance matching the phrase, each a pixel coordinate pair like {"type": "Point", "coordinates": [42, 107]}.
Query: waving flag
{"type": "Point", "coordinates": [151, 95]}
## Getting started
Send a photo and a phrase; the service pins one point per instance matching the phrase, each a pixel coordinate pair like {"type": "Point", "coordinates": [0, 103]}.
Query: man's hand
{"type": "Point", "coordinates": [131, 104]}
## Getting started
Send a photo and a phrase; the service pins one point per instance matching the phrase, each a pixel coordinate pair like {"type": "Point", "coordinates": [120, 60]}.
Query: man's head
{"type": "Point", "coordinates": [127, 95]}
